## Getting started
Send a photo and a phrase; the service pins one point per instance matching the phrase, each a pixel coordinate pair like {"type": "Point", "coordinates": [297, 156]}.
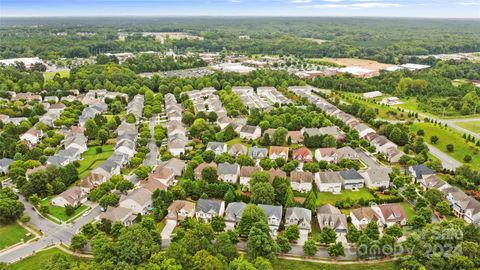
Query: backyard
{"type": "Point", "coordinates": [35, 262]}
{"type": "Point", "coordinates": [59, 212]}
{"type": "Point", "coordinates": [11, 234]}
{"type": "Point", "coordinates": [65, 73]}
{"type": "Point", "coordinates": [330, 198]}
{"type": "Point", "coordinates": [448, 136]}
{"type": "Point", "coordinates": [91, 160]}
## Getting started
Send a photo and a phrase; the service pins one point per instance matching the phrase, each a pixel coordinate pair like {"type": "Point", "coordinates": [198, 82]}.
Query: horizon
{"type": "Point", "coordinates": [435, 9]}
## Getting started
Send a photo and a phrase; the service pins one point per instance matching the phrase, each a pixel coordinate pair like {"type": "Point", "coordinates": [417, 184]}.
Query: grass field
{"type": "Point", "coordinates": [408, 210]}
{"type": "Point", "coordinates": [235, 141]}
{"type": "Point", "coordinates": [63, 74]}
{"type": "Point", "coordinates": [281, 264]}
{"type": "Point", "coordinates": [448, 136]}
{"type": "Point", "coordinates": [35, 262]}
{"type": "Point", "coordinates": [12, 234]}
{"type": "Point", "coordinates": [411, 104]}
{"type": "Point", "coordinates": [473, 126]}
{"type": "Point", "coordinates": [330, 198]}
{"type": "Point", "coordinates": [59, 212]}
{"type": "Point", "coordinates": [91, 159]}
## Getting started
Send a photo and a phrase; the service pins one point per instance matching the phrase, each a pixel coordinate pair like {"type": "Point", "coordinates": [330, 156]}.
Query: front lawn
{"type": "Point", "coordinates": [12, 234]}
{"type": "Point", "coordinates": [282, 264]}
{"type": "Point", "coordinates": [59, 212]}
{"type": "Point", "coordinates": [91, 160]}
{"type": "Point", "coordinates": [330, 198]}
{"type": "Point", "coordinates": [448, 136]}
{"type": "Point", "coordinates": [36, 261]}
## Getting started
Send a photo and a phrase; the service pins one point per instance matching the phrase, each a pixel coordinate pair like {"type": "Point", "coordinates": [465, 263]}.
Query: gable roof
{"type": "Point", "coordinates": [255, 152]}
{"type": "Point", "coordinates": [140, 196]}
{"type": "Point", "coordinates": [300, 213]}
{"type": "Point", "coordinates": [276, 172]}
{"type": "Point", "coordinates": [272, 210]}
{"type": "Point", "coordinates": [206, 206]}
{"type": "Point", "coordinates": [237, 149]}
{"type": "Point", "coordinates": [249, 171]}
{"type": "Point", "coordinates": [421, 170]}
{"type": "Point", "coordinates": [234, 211]}
{"type": "Point", "coordinates": [227, 168]}
{"type": "Point", "coordinates": [350, 175]}
{"type": "Point", "coordinates": [392, 212]}
{"type": "Point", "coordinates": [278, 150]}
{"type": "Point", "coordinates": [301, 177]}
{"type": "Point", "coordinates": [365, 213]}
{"type": "Point", "coordinates": [248, 129]}
{"type": "Point", "coordinates": [330, 177]}
{"type": "Point", "coordinates": [332, 217]}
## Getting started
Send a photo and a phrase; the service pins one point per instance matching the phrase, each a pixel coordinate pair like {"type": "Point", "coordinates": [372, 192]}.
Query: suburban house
{"type": "Point", "coordinates": [250, 132]}
{"type": "Point", "coordinates": [32, 136]}
{"type": "Point", "coordinates": [346, 152]}
{"type": "Point", "coordinates": [5, 165]}
{"type": "Point", "coordinates": [333, 131]}
{"type": "Point", "coordinates": [392, 213]}
{"type": "Point", "coordinates": [228, 172]}
{"type": "Point", "coordinates": [434, 181]}
{"type": "Point", "coordinates": [207, 209]}
{"type": "Point", "coordinates": [121, 214]}
{"type": "Point", "coordinates": [91, 181]}
{"type": "Point", "coordinates": [363, 130]}
{"type": "Point", "coordinates": [176, 146]}
{"type": "Point", "coordinates": [73, 196]}
{"type": "Point", "coordinates": [237, 149]}
{"type": "Point", "coordinates": [352, 179]}
{"type": "Point", "coordinates": [276, 173]}
{"type": "Point", "coordinates": [298, 216]}
{"type": "Point", "coordinates": [224, 121]}
{"type": "Point", "coordinates": [179, 210]}
{"type": "Point", "coordinates": [326, 154]}
{"type": "Point", "coordinates": [198, 170]}
{"type": "Point", "coordinates": [278, 152]}
{"type": "Point", "coordinates": [152, 185]}
{"type": "Point", "coordinates": [301, 181]}
{"type": "Point", "coordinates": [302, 154]}
{"type": "Point", "coordinates": [217, 147]}
{"type": "Point", "coordinates": [420, 172]}
{"type": "Point", "coordinates": [233, 214]}
{"type": "Point", "coordinates": [311, 131]}
{"type": "Point", "coordinates": [246, 173]}
{"type": "Point", "coordinates": [139, 201]}
{"type": "Point", "coordinates": [360, 217]}
{"type": "Point", "coordinates": [295, 136]}
{"type": "Point", "coordinates": [376, 177]}
{"type": "Point", "coordinates": [331, 217]}
{"type": "Point", "coordinates": [274, 217]}
{"type": "Point", "coordinates": [107, 168]}
{"type": "Point", "coordinates": [163, 174]}
{"type": "Point", "coordinates": [176, 165]}
{"type": "Point", "coordinates": [257, 153]}
{"type": "Point", "coordinates": [329, 182]}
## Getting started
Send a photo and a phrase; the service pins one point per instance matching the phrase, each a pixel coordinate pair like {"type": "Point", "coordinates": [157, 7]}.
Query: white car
{"type": "Point", "coordinates": [86, 213]}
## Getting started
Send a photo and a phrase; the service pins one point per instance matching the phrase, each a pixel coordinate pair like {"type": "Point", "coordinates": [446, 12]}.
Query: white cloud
{"type": "Point", "coordinates": [300, 1]}
{"type": "Point", "coordinates": [333, 0]}
{"type": "Point", "coordinates": [374, 4]}
{"type": "Point", "coordinates": [469, 3]}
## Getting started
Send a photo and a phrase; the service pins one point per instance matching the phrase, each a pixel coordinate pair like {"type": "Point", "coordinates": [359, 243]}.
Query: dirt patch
{"type": "Point", "coordinates": [364, 63]}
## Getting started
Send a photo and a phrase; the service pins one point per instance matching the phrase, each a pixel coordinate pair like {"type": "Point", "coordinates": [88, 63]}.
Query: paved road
{"type": "Point", "coordinates": [448, 162]}
{"type": "Point", "coordinates": [53, 233]}
{"type": "Point", "coordinates": [151, 158]}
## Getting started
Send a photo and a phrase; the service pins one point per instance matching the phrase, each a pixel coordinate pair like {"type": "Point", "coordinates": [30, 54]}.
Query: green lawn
{"type": "Point", "coordinates": [235, 141]}
{"type": "Point", "coordinates": [473, 126]}
{"type": "Point", "coordinates": [411, 104]}
{"type": "Point", "coordinates": [408, 210]}
{"type": "Point", "coordinates": [11, 234]}
{"type": "Point", "coordinates": [449, 136]}
{"type": "Point", "coordinates": [35, 262]}
{"type": "Point", "coordinates": [330, 198]}
{"type": "Point", "coordinates": [91, 159]}
{"type": "Point", "coordinates": [59, 212]}
{"type": "Point", "coordinates": [63, 74]}
{"type": "Point", "coordinates": [282, 264]}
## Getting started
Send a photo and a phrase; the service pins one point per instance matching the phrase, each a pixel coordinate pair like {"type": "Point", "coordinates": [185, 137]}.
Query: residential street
{"type": "Point", "coordinates": [448, 162]}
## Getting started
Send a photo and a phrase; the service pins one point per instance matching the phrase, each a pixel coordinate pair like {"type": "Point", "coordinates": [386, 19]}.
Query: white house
{"type": "Point", "coordinates": [301, 181]}
{"type": "Point", "coordinates": [250, 132]}
{"type": "Point", "coordinates": [329, 182]}
{"type": "Point", "coordinates": [207, 209]}
{"type": "Point", "coordinates": [228, 172]}
{"type": "Point", "coordinates": [139, 201]}
{"type": "Point", "coordinates": [274, 217]}
{"type": "Point", "coordinates": [217, 147]}
{"type": "Point", "coordinates": [73, 196]}
{"type": "Point", "coordinates": [32, 136]}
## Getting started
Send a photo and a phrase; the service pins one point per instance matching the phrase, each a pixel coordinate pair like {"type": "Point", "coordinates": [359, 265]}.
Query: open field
{"type": "Point", "coordinates": [35, 262]}
{"type": "Point", "coordinates": [91, 160]}
{"type": "Point", "coordinates": [11, 234]}
{"type": "Point", "coordinates": [473, 126]}
{"type": "Point", "coordinates": [65, 73]}
{"type": "Point", "coordinates": [330, 198]}
{"type": "Point", "coordinates": [411, 104]}
{"type": "Point", "coordinates": [448, 136]}
{"type": "Point", "coordinates": [282, 264]}
{"type": "Point", "coordinates": [364, 63]}
{"type": "Point", "coordinates": [59, 212]}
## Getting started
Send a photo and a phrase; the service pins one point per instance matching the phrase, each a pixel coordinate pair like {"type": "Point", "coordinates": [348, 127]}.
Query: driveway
{"type": "Point", "coordinates": [448, 162]}
{"type": "Point", "coordinates": [167, 230]}
{"type": "Point", "coordinates": [365, 158]}
{"type": "Point", "coordinates": [151, 158]}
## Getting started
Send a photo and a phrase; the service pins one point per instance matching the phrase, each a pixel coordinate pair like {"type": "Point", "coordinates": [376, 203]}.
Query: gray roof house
{"type": "Point", "coordinates": [228, 172]}
{"type": "Point", "coordinates": [176, 165]}
{"type": "Point", "coordinates": [330, 216]}
{"type": "Point", "coordinates": [420, 172]}
{"type": "Point", "coordinates": [298, 216]}
{"type": "Point", "coordinates": [217, 147]}
{"type": "Point", "coordinates": [257, 152]}
{"type": "Point", "coordinates": [5, 165]}
{"type": "Point", "coordinates": [274, 216]}
{"type": "Point", "coordinates": [376, 177]}
{"type": "Point", "coordinates": [352, 179]}
{"type": "Point", "coordinates": [207, 209]}
{"type": "Point", "coordinates": [237, 149]}
{"type": "Point", "coordinates": [233, 213]}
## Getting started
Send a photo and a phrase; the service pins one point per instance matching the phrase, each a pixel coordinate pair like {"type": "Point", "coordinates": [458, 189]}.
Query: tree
{"type": "Point", "coordinates": [310, 247]}
{"type": "Point", "coordinates": [279, 135]}
{"type": "Point", "coordinates": [102, 135]}
{"type": "Point", "coordinates": [69, 209]}
{"type": "Point", "coordinates": [245, 160]}
{"type": "Point", "coordinates": [109, 199]}
{"type": "Point", "coordinates": [218, 224]}
{"type": "Point", "coordinates": [130, 118]}
{"type": "Point", "coordinates": [91, 129]}
{"type": "Point", "coordinates": [10, 209]}
{"type": "Point", "coordinates": [203, 260]}
{"type": "Point", "coordinates": [372, 230]}
{"type": "Point", "coordinates": [353, 234]}
{"type": "Point", "coordinates": [124, 185]}
{"type": "Point", "coordinates": [79, 241]}
{"type": "Point", "coordinates": [467, 158]}
{"type": "Point", "coordinates": [210, 175]}
{"type": "Point", "coordinates": [434, 196]}
{"type": "Point", "coordinates": [229, 196]}
{"type": "Point", "coordinates": [136, 245]}
{"type": "Point", "coordinates": [292, 232]}
{"type": "Point", "coordinates": [417, 222]}
{"type": "Point", "coordinates": [263, 193]}
{"type": "Point", "coordinates": [261, 263]}
{"type": "Point", "coordinates": [450, 147]}
{"type": "Point", "coordinates": [283, 244]}
{"type": "Point", "coordinates": [336, 250]}
{"type": "Point", "coordinates": [443, 208]}
{"type": "Point", "coordinates": [311, 201]}
{"type": "Point", "coordinates": [328, 236]}
{"type": "Point", "coordinates": [208, 156]}
{"type": "Point", "coordinates": [434, 139]}
{"type": "Point", "coordinates": [251, 214]}
{"type": "Point", "coordinates": [395, 230]}
{"type": "Point", "coordinates": [260, 243]}
{"type": "Point", "coordinates": [225, 246]}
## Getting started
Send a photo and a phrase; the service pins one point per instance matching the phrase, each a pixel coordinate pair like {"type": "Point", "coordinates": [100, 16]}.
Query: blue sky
{"type": "Point", "coordinates": [384, 8]}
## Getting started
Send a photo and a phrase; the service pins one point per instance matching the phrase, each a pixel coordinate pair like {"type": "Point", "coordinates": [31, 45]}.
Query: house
{"type": "Point", "coordinates": [469, 209]}
{"type": "Point", "coordinates": [295, 136]}
{"type": "Point", "coordinates": [163, 174]}
{"type": "Point", "coordinates": [250, 132]}
{"type": "Point", "coordinates": [233, 214]}
{"type": "Point", "coordinates": [5, 165]}
{"type": "Point", "coordinates": [274, 217]}
{"type": "Point", "coordinates": [207, 209]}
{"type": "Point", "coordinates": [376, 177]}
{"type": "Point", "coordinates": [352, 180]}
{"type": "Point", "coordinates": [311, 131]}
{"type": "Point", "coordinates": [257, 153]}
{"type": "Point", "coordinates": [391, 214]}
{"type": "Point", "coordinates": [420, 172]}
{"type": "Point", "coordinates": [326, 154]}
{"type": "Point", "coordinates": [73, 196]}
{"type": "Point", "coordinates": [346, 152]}
{"type": "Point", "coordinates": [217, 147]}
{"type": "Point", "coordinates": [246, 173]}
{"type": "Point", "coordinates": [32, 136]}
{"type": "Point", "coordinates": [35, 170]}
{"type": "Point", "coordinates": [329, 182]}
{"type": "Point", "coordinates": [91, 181]}
{"type": "Point", "coordinates": [434, 181]}
{"type": "Point", "coordinates": [121, 214]}
{"type": "Point", "coordinates": [333, 131]}
{"type": "Point", "coordinates": [4, 118]}
{"type": "Point", "coordinates": [179, 210]}
{"type": "Point", "coordinates": [237, 149]}
{"type": "Point", "coordinates": [198, 170]}
{"type": "Point", "coordinates": [107, 168]}
{"type": "Point", "coordinates": [278, 152]}
{"type": "Point", "coordinates": [372, 94]}
{"type": "Point", "coordinates": [302, 154]}
{"type": "Point", "coordinates": [301, 181]}
{"type": "Point", "coordinates": [382, 143]}
{"type": "Point", "coordinates": [57, 161]}
{"type": "Point", "coordinates": [331, 217]}
{"type": "Point", "coordinates": [176, 165]}
{"type": "Point", "coordinates": [363, 130]}
{"type": "Point", "coordinates": [152, 185]}
{"type": "Point", "coordinates": [224, 121]}
{"type": "Point", "coordinates": [360, 217]}
{"type": "Point", "coordinates": [228, 172]}
{"type": "Point", "coordinates": [176, 146]}
{"type": "Point", "coordinates": [393, 155]}
{"type": "Point", "coordinates": [139, 201]}
{"type": "Point", "coordinates": [300, 217]}
{"type": "Point", "coordinates": [57, 107]}
{"type": "Point", "coordinates": [276, 173]}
